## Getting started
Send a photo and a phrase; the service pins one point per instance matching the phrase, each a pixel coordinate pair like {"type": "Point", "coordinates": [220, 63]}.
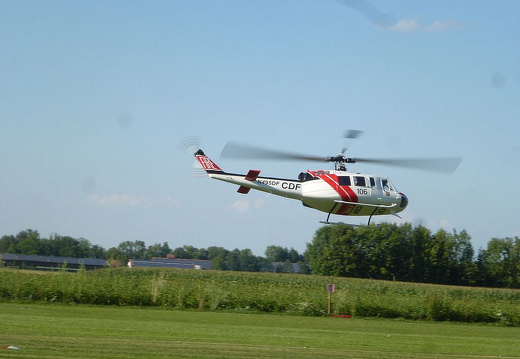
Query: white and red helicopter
{"type": "Point", "coordinates": [337, 191]}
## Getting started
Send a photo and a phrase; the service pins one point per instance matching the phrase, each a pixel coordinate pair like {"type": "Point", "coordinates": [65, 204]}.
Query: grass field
{"type": "Point", "coordinates": [78, 331]}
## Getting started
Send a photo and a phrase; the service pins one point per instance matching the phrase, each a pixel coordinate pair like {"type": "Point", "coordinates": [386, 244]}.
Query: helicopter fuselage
{"type": "Point", "coordinates": [332, 191]}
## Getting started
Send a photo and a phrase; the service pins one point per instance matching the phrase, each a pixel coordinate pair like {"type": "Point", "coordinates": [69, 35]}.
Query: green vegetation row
{"type": "Point", "coordinates": [262, 292]}
{"type": "Point", "coordinates": [30, 242]}
{"type": "Point", "coordinates": [413, 254]}
{"type": "Point", "coordinates": [388, 251]}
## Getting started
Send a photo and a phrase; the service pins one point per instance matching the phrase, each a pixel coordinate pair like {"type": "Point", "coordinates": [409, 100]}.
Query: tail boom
{"type": "Point", "coordinates": [278, 186]}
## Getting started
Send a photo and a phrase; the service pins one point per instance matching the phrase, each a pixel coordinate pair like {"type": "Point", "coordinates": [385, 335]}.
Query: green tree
{"type": "Point", "coordinates": [113, 254]}
{"type": "Point", "coordinates": [233, 260]}
{"type": "Point", "coordinates": [8, 244]}
{"type": "Point", "coordinates": [502, 262]}
{"type": "Point", "coordinates": [131, 250]}
{"type": "Point", "coordinates": [219, 262]}
{"type": "Point", "coordinates": [186, 252]}
{"type": "Point", "coordinates": [449, 258]}
{"type": "Point", "coordinates": [28, 242]}
{"type": "Point", "coordinates": [68, 247]}
{"type": "Point", "coordinates": [419, 239]}
{"type": "Point", "coordinates": [201, 253]}
{"type": "Point", "coordinates": [392, 252]}
{"type": "Point", "coordinates": [214, 252]}
{"type": "Point", "coordinates": [276, 253]}
{"type": "Point", "coordinates": [96, 251]}
{"type": "Point", "coordinates": [158, 250]}
{"type": "Point", "coordinates": [482, 275]}
{"type": "Point", "coordinates": [287, 266]}
{"type": "Point", "coordinates": [248, 262]}
{"type": "Point", "coordinates": [438, 257]}
{"type": "Point", "coordinates": [465, 271]}
{"type": "Point", "coordinates": [334, 251]}
{"type": "Point", "coordinates": [389, 251]}
{"type": "Point", "coordinates": [294, 256]}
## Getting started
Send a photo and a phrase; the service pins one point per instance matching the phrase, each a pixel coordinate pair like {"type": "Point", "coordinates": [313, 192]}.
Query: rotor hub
{"type": "Point", "coordinates": [340, 161]}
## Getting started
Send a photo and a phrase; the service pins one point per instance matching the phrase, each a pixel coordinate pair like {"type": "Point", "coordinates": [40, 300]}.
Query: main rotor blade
{"type": "Point", "coordinates": [236, 150]}
{"type": "Point", "coordinates": [353, 134]}
{"type": "Point", "coordinates": [443, 165]}
{"type": "Point", "coordinates": [350, 136]}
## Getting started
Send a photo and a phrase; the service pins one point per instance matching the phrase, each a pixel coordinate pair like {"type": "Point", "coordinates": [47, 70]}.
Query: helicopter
{"type": "Point", "coordinates": [337, 191]}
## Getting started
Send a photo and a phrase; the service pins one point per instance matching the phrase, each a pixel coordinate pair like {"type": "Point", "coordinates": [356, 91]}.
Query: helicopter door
{"type": "Point", "coordinates": [362, 188]}
{"type": "Point", "coordinates": [377, 189]}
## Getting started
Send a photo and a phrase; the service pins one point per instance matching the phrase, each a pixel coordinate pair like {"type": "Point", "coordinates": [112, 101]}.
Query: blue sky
{"type": "Point", "coordinates": [96, 96]}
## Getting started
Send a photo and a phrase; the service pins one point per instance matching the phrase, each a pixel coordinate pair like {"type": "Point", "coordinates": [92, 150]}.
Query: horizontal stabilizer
{"type": "Point", "coordinates": [243, 190]}
{"type": "Point", "coordinates": [252, 175]}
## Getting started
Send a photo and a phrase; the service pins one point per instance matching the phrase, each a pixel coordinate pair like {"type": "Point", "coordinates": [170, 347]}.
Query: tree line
{"type": "Point", "coordinates": [414, 254]}
{"type": "Point", "coordinates": [30, 242]}
{"type": "Point", "coordinates": [388, 252]}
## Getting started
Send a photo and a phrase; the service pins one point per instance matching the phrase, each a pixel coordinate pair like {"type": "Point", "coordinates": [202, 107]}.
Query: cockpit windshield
{"type": "Point", "coordinates": [387, 185]}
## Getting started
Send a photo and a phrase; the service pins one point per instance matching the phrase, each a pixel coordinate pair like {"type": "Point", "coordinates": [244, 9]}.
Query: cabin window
{"type": "Point", "coordinates": [372, 182]}
{"type": "Point", "coordinates": [360, 181]}
{"type": "Point", "coordinates": [344, 180]}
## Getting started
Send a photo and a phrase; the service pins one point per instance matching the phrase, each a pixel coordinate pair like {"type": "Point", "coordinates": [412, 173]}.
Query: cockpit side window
{"type": "Point", "coordinates": [305, 176]}
{"type": "Point", "coordinates": [360, 181]}
{"type": "Point", "coordinates": [387, 185]}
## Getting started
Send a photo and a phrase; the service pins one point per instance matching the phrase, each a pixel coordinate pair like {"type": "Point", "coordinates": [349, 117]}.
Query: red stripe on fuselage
{"type": "Point", "coordinates": [346, 193]}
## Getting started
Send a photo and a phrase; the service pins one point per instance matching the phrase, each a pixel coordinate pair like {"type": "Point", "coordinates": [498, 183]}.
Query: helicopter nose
{"type": "Point", "coordinates": [404, 201]}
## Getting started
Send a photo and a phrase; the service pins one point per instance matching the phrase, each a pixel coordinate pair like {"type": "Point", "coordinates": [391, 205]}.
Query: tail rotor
{"type": "Point", "coordinates": [191, 145]}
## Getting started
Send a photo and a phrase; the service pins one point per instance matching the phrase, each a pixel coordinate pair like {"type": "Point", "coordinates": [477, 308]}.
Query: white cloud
{"type": "Point", "coordinates": [405, 25]}
{"type": "Point", "coordinates": [414, 25]}
{"type": "Point", "coordinates": [443, 26]}
{"type": "Point", "coordinates": [115, 199]}
{"type": "Point", "coordinates": [246, 206]}
{"type": "Point", "coordinates": [126, 200]}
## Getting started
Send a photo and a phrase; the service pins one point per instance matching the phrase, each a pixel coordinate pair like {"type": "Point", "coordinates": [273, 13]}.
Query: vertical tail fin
{"type": "Point", "coordinates": [208, 165]}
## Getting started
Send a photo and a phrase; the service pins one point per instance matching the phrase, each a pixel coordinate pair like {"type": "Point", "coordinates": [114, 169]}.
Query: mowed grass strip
{"type": "Point", "coordinates": [76, 331]}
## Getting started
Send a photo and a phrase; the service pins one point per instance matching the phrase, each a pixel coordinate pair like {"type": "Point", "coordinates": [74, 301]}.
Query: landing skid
{"type": "Point", "coordinates": [349, 224]}
{"type": "Point", "coordinates": [376, 207]}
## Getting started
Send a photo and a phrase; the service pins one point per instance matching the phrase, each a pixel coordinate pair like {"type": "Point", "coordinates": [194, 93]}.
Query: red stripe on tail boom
{"type": "Point", "coordinates": [207, 164]}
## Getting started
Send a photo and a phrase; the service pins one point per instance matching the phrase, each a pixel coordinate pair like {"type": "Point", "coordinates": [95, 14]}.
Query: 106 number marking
{"type": "Point", "coordinates": [362, 191]}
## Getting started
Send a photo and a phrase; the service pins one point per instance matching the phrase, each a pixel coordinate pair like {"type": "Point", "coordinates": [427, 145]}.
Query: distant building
{"type": "Point", "coordinates": [286, 267]}
{"type": "Point", "coordinates": [172, 262]}
{"type": "Point", "coordinates": [50, 262]}
{"type": "Point", "coordinates": [157, 262]}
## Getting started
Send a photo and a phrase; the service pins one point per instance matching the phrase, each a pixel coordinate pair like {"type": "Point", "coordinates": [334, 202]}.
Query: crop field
{"type": "Point", "coordinates": [302, 295]}
{"type": "Point", "coordinates": [79, 331]}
